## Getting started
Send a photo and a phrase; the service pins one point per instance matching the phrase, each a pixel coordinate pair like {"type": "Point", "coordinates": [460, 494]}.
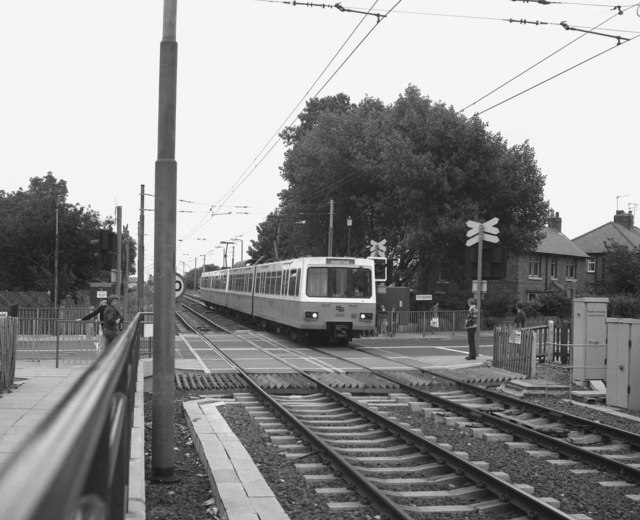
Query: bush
{"type": "Point", "coordinates": [553, 304]}
{"type": "Point", "coordinates": [624, 306]}
{"type": "Point", "coordinates": [499, 305]}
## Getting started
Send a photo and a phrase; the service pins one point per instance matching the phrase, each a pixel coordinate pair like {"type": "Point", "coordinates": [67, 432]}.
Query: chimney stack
{"type": "Point", "coordinates": [555, 222]}
{"type": "Point", "coordinates": [626, 219]}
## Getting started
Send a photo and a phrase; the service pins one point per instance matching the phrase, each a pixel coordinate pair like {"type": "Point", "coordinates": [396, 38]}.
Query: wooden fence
{"type": "Point", "coordinates": [520, 350]}
{"type": "Point", "coordinates": [8, 342]}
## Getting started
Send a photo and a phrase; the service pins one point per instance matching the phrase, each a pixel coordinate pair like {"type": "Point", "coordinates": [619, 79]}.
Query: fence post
{"type": "Point", "coordinates": [549, 342]}
{"type": "Point", "coordinates": [564, 340]}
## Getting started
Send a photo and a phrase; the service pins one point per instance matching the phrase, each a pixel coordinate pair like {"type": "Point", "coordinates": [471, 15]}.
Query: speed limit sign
{"type": "Point", "coordinates": [179, 285]}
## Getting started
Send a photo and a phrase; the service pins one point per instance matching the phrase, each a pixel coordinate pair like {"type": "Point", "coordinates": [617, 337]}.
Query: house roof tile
{"type": "Point", "coordinates": [594, 240]}
{"type": "Point", "coordinates": [555, 243]}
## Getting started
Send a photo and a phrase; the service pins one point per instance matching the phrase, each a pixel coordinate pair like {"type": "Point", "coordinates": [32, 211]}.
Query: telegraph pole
{"type": "Point", "coordinates": [141, 252]}
{"type": "Point", "coordinates": [164, 304]}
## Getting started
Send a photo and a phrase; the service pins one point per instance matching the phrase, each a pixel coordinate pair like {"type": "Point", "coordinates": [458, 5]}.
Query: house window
{"type": "Point", "coordinates": [571, 268]}
{"type": "Point", "coordinates": [534, 266]}
{"type": "Point", "coordinates": [553, 268]}
{"type": "Point", "coordinates": [591, 265]}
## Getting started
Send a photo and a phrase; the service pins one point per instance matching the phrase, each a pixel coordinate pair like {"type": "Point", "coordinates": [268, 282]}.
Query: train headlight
{"type": "Point", "coordinates": [310, 315]}
{"type": "Point", "coordinates": [366, 315]}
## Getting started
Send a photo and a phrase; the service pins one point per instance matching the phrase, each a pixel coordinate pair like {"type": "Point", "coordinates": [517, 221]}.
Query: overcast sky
{"type": "Point", "coordinates": [79, 97]}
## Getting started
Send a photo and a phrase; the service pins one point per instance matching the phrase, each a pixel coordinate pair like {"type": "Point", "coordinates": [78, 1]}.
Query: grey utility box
{"type": "Point", "coordinates": [589, 338]}
{"type": "Point", "coordinates": [623, 363]}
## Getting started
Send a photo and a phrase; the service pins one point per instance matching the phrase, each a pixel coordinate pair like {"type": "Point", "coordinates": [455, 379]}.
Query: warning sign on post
{"type": "Point", "coordinates": [179, 285]}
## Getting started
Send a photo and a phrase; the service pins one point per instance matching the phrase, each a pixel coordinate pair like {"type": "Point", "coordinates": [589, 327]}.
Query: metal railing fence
{"type": "Point", "coordinates": [67, 340]}
{"type": "Point", "coordinates": [419, 322]}
{"type": "Point", "coordinates": [76, 465]}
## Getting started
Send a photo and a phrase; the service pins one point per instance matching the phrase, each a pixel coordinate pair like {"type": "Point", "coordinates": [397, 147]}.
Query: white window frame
{"type": "Point", "coordinates": [591, 265]}
{"type": "Point", "coordinates": [553, 268]}
{"type": "Point", "coordinates": [535, 267]}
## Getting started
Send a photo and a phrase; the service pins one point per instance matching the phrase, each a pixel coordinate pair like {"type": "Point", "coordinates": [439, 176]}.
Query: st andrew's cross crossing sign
{"type": "Point", "coordinates": [378, 248]}
{"type": "Point", "coordinates": [489, 231]}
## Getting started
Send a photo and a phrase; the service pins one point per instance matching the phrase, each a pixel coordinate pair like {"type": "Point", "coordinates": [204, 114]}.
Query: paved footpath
{"type": "Point", "coordinates": [40, 387]}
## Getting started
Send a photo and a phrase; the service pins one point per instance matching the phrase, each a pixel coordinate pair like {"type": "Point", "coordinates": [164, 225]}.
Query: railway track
{"type": "Point", "coordinates": [574, 438]}
{"type": "Point", "coordinates": [401, 472]}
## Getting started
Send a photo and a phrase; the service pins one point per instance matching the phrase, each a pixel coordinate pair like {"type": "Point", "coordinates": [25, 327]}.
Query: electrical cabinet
{"type": "Point", "coordinates": [589, 338]}
{"type": "Point", "coordinates": [623, 363]}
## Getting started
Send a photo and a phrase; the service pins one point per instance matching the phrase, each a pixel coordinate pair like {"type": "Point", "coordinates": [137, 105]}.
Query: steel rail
{"type": "Point", "coordinates": [547, 441]}
{"type": "Point", "coordinates": [368, 490]}
{"type": "Point", "coordinates": [500, 488]}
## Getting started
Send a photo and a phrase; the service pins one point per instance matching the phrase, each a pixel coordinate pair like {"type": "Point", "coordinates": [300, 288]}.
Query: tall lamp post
{"type": "Point", "coordinates": [164, 275]}
{"type": "Point", "coordinates": [349, 224]}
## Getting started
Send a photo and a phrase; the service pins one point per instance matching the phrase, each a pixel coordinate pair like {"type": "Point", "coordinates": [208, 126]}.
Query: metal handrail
{"type": "Point", "coordinates": [76, 465]}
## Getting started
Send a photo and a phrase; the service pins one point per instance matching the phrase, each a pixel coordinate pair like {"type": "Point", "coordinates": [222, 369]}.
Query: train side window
{"type": "Point", "coordinates": [270, 284]}
{"type": "Point", "coordinates": [285, 281]}
{"type": "Point", "coordinates": [293, 282]}
{"type": "Point", "coordinates": [278, 289]}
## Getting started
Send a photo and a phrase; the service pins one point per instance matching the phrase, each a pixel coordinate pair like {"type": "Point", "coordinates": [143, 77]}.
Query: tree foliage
{"type": "Point", "coordinates": [28, 239]}
{"type": "Point", "coordinates": [412, 173]}
{"type": "Point", "coordinates": [623, 264]}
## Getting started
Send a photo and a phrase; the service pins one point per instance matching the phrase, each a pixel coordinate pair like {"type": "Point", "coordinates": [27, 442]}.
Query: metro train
{"type": "Point", "coordinates": [328, 298]}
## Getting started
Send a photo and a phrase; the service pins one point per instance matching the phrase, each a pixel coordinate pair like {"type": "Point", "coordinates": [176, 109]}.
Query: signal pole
{"type": "Point", "coordinates": [330, 249]}
{"type": "Point", "coordinates": [164, 303]}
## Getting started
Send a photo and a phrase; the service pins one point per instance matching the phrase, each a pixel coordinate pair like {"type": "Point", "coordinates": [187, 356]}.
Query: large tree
{"type": "Point", "coordinates": [413, 173]}
{"type": "Point", "coordinates": [28, 239]}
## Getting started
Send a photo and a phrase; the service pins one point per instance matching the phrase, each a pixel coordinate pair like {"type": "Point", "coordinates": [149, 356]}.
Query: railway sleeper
{"type": "Point", "coordinates": [495, 506]}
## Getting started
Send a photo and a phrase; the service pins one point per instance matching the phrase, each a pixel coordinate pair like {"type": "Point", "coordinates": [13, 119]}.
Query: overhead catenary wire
{"type": "Point", "coordinates": [555, 76]}
{"type": "Point", "coordinates": [272, 141]}
{"type": "Point", "coordinates": [502, 85]}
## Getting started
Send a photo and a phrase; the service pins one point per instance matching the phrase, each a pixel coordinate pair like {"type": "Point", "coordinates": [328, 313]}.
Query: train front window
{"type": "Point", "coordinates": [339, 282]}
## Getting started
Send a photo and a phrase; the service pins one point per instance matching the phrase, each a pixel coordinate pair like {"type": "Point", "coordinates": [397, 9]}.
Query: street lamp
{"type": "Point", "coordinates": [349, 224]}
{"type": "Point", "coordinates": [238, 239]}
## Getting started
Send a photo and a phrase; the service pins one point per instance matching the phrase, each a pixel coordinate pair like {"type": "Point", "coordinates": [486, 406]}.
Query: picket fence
{"type": "Point", "coordinates": [8, 342]}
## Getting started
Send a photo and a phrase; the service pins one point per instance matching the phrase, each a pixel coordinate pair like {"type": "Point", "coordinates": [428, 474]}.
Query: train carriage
{"type": "Point", "coordinates": [333, 298]}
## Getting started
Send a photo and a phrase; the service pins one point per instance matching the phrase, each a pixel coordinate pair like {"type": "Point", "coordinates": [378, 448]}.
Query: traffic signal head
{"type": "Point", "coordinates": [105, 249]}
{"type": "Point", "coordinates": [380, 269]}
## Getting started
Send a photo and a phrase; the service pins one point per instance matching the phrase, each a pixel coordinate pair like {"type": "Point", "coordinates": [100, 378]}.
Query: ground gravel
{"type": "Point", "coordinates": [188, 498]}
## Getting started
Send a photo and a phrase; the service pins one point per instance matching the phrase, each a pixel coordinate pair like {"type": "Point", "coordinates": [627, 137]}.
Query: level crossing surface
{"type": "Point", "coordinates": [260, 353]}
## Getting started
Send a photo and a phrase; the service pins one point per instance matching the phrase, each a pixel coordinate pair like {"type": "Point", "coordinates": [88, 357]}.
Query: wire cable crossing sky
{"type": "Point", "coordinates": [79, 95]}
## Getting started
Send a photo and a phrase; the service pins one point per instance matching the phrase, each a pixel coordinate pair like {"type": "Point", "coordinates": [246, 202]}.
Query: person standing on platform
{"type": "Point", "coordinates": [111, 320]}
{"type": "Point", "coordinates": [521, 317]}
{"type": "Point", "coordinates": [471, 324]}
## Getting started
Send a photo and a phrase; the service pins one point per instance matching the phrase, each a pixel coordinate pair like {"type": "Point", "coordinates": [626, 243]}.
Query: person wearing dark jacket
{"type": "Point", "coordinates": [97, 312]}
{"type": "Point", "coordinates": [521, 317]}
{"type": "Point", "coordinates": [111, 319]}
{"type": "Point", "coordinates": [471, 324]}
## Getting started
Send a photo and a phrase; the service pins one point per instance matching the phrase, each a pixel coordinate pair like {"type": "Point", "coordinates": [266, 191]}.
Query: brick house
{"type": "Point", "coordinates": [557, 265]}
{"type": "Point", "coordinates": [620, 230]}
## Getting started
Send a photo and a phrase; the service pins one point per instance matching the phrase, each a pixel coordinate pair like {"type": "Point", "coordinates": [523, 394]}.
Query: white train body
{"type": "Point", "coordinates": [328, 296]}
